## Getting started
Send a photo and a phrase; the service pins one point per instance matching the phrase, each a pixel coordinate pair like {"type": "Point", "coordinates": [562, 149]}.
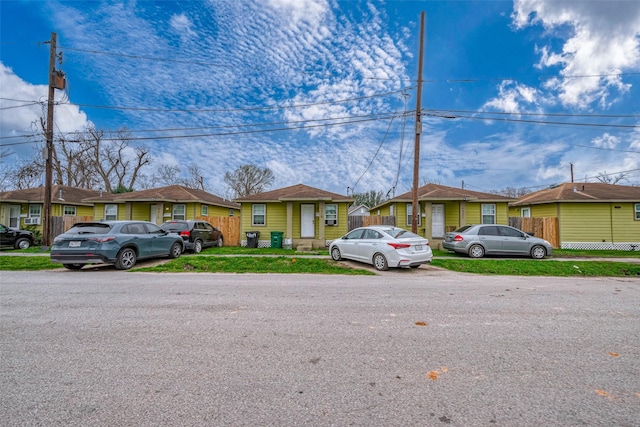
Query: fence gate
{"type": "Point", "coordinates": [545, 228]}
{"type": "Point", "coordinates": [363, 221]}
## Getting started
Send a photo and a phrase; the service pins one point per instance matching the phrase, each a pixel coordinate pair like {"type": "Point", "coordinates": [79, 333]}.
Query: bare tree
{"type": "Point", "coordinates": [606, 178]}
{"type": "Point", "coordinates": [369, 199]}
{"type": "Point", "coordinates": [249, 179]}
{"type": "Point", "coordinates": [512, 192]}
{"type": "Point", "coordinates": [194, 177]}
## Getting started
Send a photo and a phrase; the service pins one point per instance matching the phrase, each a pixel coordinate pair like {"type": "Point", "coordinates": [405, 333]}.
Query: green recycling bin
{"type": "Point", "coordinates": [276, 239]}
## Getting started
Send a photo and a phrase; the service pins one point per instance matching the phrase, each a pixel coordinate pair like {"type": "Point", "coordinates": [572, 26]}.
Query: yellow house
{"type": "Point", "coordinates": [161, 204]}
{"type": "Point", "coordinates": [307, 217]}
{"type": "Point", "coordinates": [590, 215]}
{"type": "Point", "coordinates": [442, 209]}
{"type": "Point", "coordinates": [23, 208]}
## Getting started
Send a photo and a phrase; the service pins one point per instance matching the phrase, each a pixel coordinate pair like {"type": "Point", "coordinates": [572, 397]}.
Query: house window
{"type": "Point", "coordinates": [258, 214]}
{"type": "Point", "coordinates": [231, 212]}
{"type": "Point", "coordinates": [391, 210]}
{"type": "Point", "coordinates": [69, 211]}
{"type": "Point", "coordinates": [35, 211]}
{"type": "Point", "coordinates": [489, 214]}
{"type": "Point", "coordinates": [331, 214]}
{"type": "Point", "coordinates": [637, 209]}
{"type": "Point", "coordinates": [110, 212]}
{"type": "Point", "coordinates": [525, 212]}
{"type": "Point", "coordinates": [204, 210]}
{"type": "Point", "coordinates": [179, 212]}
{"type": "Point", "coordinates": [410, 214]}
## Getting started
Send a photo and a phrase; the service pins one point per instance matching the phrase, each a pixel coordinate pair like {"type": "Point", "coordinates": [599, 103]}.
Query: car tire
{"type": "Point", "coordinates": [125, 259]}
{"type": "Point", "coordinates": [176, 250]}
{"type": "Point", "coordinates": [380, 262]}
{"type": "Point", "coordinates": [197, 246]}
{"type": "Point", "coordinates": [23, 243]}
{"type": "Point", "coordinates": [476, 251]}
{"type": "Point", "coordinates": [335, 254]}
{"type": "Point", "coordinates": [220, 242]}
{"type": "Point", "coordinates": [73, 266]}
{"type": "Point", "coordinates": [538, 252]}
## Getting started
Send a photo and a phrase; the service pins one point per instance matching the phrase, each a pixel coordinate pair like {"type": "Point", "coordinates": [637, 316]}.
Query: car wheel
{"type": "Point", "coordinates": [23, 243]}
{"type": "Point", "coordinates": [73, 266]}
{"type": "Point", "coordinates": [176, 250]}
{"type": "Point", "coordinates": [126, 259]}
{"type": "Point", "coordinates": [335, 254]}
{"type": "Point", "coordinates": [220, 242]}
{"type": "Point", "coordinates": [538, 252]}
{"type": "Point", "coordinates": [197, 246]}
{"type": "Point", "coordinates": [476, 251]}
{"type": "Point", "coordinates": [380, 262]}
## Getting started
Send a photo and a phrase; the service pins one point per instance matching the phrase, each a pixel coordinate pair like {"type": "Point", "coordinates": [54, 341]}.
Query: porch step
{"type": "Point", "coordinates": [304, 248]}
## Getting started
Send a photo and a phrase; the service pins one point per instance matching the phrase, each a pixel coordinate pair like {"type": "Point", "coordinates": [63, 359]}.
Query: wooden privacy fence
{"type": "Point", "coordinates": [545, 228]}
{"type": "Point", "coordinates": [229, 225]}
{"type": "Point", "coordinates": [60, 224]}
{"type": "Point", "coordinates": [363, 221]}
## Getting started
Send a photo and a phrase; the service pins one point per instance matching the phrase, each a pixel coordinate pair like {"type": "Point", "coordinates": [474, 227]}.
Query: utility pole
{"type": "Point", "coordinates": [56, 81]}
{"type": "Point", "coordinates": [416, 151]}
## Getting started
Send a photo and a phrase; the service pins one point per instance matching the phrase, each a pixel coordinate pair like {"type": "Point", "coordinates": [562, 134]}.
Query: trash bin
{"type": "Point", "coordinates": [252, 238]}
{"type": "Point", "coordinates": [276, 239]}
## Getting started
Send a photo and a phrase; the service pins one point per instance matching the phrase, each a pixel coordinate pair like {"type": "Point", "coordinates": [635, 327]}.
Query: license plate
{"type": "Point", "coordinates": [418, 247]}
{"type": "Point", "coordinates": [74, 244]}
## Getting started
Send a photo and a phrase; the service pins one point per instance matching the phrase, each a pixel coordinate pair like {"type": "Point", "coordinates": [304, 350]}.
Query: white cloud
{"type": "Point", "coordinates": [182, 25]}
{"type": "Point", "coordinates": [512, 97]}
{"type": "Point", "coordinates": [606, 141]}
{"type": "Point", "coordinates": [604, 41]}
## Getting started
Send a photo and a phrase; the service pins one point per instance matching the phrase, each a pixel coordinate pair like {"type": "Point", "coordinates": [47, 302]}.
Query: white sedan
{"type": "Point", "coordinates": [383, 246]}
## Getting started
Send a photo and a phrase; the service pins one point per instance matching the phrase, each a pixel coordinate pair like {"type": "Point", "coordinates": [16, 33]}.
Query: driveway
{"type": "Point", "coordinates": [414, 348]}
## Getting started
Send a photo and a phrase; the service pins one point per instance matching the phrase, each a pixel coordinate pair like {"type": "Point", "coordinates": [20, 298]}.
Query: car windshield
{"type": "Point", "coordinates": [463, 228]}
{"type": "Point", "coordinates": [400, 233]}
{"type": "Point", "coordinates": [90, 229]}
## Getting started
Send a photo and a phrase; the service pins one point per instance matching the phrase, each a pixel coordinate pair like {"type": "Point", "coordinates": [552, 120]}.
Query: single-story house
{"type": "Point", "coordinates": [590, 215]}
{"type": "Point", "coordinates": [308, 217]}
{"type": "Point", "coordinates": [20, 208]}
{"type": "Point", "coordinates": [161, 204]}
{"type": "Point", "coordinates": [358, 210]}
{"type": "Point", "coordinates": [442, 209]}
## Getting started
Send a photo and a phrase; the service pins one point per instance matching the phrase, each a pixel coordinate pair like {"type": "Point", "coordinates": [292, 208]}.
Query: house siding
{"type": "Point", "coordinates": [605, 223]}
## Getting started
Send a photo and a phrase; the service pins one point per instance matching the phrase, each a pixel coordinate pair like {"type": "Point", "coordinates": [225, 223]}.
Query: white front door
{"type": "Point", "coordinates": [14, 216]}
{"type": "Point", "coordinates": [307, 218]}
{"type": "Point", "coordinates": [437, 220]}
{"type": "Point", "coordinates": [153, 214]}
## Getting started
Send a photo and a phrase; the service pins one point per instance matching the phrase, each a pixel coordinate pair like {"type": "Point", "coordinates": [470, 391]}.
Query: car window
{"type": "Point", "coordinates": [371, 234]}
{"type": "Point", "coordinates": [135, 228]}
{"type": "Point", "coordinates": [510, 232]}
{"type": "Point", "coordinates": [355, 234]}
{"type": "Point", "coordinates": [174, 226]}
{"type": "Point", "coordinates": [400, 233]}
{"type": "Point", "coordinates": [90, 229]}
{"type": "Point", "coordinates": [463, 228]}
{"type": "Point", "coordinates": [488, 231]}
{"type": "Point", "coordinates": [208, 226]}
{"type": "Point", "coordinates": [153, 229]}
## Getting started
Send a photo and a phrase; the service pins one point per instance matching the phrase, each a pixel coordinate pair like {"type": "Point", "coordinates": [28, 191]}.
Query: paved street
{"type": "Point", "coordinates": [406, 348]}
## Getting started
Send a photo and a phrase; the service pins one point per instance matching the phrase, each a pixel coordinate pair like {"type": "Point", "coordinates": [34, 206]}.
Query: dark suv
{"type": "Point", "coordinates": [18, 239]}
{"type": "Point", "coordinates": [196, 234]}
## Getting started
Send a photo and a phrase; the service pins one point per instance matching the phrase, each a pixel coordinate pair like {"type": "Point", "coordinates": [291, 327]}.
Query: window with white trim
{"type": "Point", "coordinates": [35, 211]}
{"type": "Point", "coordinates": [258, 214]}
{"type": "Point", "coordinates": [331, 214]}
{"type": "Point", "coordinates": [231, 212]}
{"type": "Point", "coordinates": [179, 212]}
{"type": "Point", "coordinates": [637, 209]}
{"type": "Point", "coordinates": [489, 214]}
{"type": "Point", "coordinates": [391, 210]}
{"type": "Point", "coordinates": [110, 212]}
{"type": "Point", "coordinates": [69, 210]}
{"type": "Point", "coordinates": [410, 213]}
{"type": "Point", "coordinates": [525, 212]}
{"type": "Point", "coordinates": [204, 210]}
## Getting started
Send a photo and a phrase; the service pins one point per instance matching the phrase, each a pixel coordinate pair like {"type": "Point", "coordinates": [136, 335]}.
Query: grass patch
{"type": "Point", "coordinates": [529, 267]}
{"type": "Point", "coordinates": [27, 263]}
{"type": "Point", "coordinates": [241, 250]}
{"type": "Point", "coordinates": [279, 264]}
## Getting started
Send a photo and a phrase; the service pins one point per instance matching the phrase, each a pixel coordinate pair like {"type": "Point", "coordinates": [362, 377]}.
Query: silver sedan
{"type": "Point", "coordinates": [492, 239]}
{"type": "Point", "coordinates": [383, 247]}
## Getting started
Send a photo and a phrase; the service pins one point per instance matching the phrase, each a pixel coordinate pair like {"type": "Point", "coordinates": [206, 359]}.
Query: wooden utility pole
{"type": "Point", "coordinates": [416, 151]}
{"type": "Point", "coordinates": [48, 170]}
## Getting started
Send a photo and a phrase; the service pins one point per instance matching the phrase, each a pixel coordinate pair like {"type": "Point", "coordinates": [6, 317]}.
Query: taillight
{"type": "Point", "coordinates": [399, 245]}
{"type": "Point", "coordinates": [458, 238]}
{"type": "Point", "coordinates": [185, 233]}
{"type": "Point", "coordinates": [102, 239]}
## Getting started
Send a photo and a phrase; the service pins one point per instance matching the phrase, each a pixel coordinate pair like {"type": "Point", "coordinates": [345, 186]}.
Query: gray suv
{"type": "Point", "coordinates": [492, 239]}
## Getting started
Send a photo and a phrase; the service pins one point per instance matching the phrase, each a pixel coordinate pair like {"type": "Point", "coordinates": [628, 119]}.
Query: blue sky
{"type": "Point", "coordinates": [324, 92]}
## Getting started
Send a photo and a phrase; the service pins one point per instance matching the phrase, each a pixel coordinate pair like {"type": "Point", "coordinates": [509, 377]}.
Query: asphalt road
{"type": "Point", "coordinates": [405, 348]}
